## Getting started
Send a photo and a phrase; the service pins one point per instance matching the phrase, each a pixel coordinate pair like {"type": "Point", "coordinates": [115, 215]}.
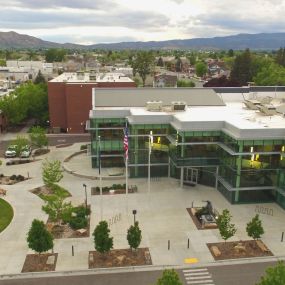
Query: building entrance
{"type": "Point", "coordinates": [200, 175]}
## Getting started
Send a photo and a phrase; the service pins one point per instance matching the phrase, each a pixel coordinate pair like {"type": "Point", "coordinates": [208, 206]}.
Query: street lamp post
{"type": "Point", "coordinates": [134, 213]}
{"type": "Point", "coordinates": [84, 185]}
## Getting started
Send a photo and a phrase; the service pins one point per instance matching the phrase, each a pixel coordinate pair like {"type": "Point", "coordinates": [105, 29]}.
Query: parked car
{"type": "Point", "coordinates": [11, 151]}
{"type": "Point", "coordinates": [26, 151]}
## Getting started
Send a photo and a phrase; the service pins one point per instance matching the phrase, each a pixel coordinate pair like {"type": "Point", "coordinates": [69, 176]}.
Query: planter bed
{"type": "Point", "coordinates": [40, 262]}
{"type": "Point", "coordinates": [199, 226]}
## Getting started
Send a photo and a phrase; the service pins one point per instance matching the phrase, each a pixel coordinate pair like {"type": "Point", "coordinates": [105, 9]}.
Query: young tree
{"type": "Point", "coordinates": [51, 172]}
{"type": "Point", "coordinates": [201, 69]}
{"type": "Point", "coordinates": [102, 241]}
{"type": "Point", "coordinates": [225, 227]}
{"type": "Point", "coordinates": [254, 228]}
{"type": "Point", "coordinates": [274, 275]}
{"type": "Point", "coordinates": [39, 238]}
{"type": "Point", "coordinates": [143, 63]}
{"type": "Point", "coordinates": [160, 62]}
{"type": "Point", "coordinates": [20, 142]}
{"type": "Point", "coordinates": [38, 137]}
{"type": "Point", "coordinates": [134, 236]}
{"type": "Point", "coordinates": [57, 209]}
{"type": "Point", "coordinates": [169, 277]}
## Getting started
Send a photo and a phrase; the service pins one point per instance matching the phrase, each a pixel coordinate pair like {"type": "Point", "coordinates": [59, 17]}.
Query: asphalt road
{"type": "Point", "coordinates": [54, 139]}
{"type": "Point", "coordinates": [245, 274]}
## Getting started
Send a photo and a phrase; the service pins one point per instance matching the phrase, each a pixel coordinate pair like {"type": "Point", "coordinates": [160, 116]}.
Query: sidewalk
{"type": "Point", "coordinates": [161, 214]}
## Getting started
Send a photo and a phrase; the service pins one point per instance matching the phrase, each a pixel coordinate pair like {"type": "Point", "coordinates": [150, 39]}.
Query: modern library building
{"type": "Point", "coordinates": [230, 139]}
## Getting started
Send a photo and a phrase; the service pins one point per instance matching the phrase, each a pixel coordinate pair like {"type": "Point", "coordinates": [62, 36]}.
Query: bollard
{"type": "Point", "coordinates": [72, 250]}
{"type": "Point", "coordinates": [188, 244]}
{"type": "Point", "coordinates": [282, 236]}
{"type": "Point", "coordinates": [168, 244]}
{"type": "Point", "coordinates": [192, 206]}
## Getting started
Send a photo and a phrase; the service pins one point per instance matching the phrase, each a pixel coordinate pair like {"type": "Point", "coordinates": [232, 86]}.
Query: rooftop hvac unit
{"type": "Point", "coordinates": [92, 77]}
{"type": "Point", "coordinates": [154, 105]}
{"type": "Point", "coordinates": [80, 75]}
{"type": "Point", "coordinates": [267, 109]}
{"type": "Point", "coordinates": [178, 106]}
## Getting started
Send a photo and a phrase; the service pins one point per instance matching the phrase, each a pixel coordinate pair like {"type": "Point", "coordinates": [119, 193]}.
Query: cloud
{"type": "Point", "coordinates": [31, 19]}
{"type": "Point", "coordinates": [75, 4]}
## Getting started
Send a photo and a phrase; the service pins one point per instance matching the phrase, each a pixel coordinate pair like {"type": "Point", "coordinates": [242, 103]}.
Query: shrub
{"type": "Point", "coordinates": [81, 211]}
{"type": "Point", "coordinates": [20, 178]}
{"type": "Point", "coordinates": [83, 147]}
{"type": "Point", "coordinates": [97, 189]}
{"type": "Point", "coordinates": [78, 222]}
{"type": "Point", "coordinates": [13, 177]}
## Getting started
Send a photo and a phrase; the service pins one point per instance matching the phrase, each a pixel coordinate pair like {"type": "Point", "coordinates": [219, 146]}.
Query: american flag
{"type": "Point", "coordinates": [126, 142]}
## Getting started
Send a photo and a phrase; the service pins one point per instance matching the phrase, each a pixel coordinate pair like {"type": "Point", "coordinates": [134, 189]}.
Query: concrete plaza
{"type": "Point", "coordinates": [161, 214]}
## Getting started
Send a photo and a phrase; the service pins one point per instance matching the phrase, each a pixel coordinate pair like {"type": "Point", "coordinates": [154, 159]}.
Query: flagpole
{"type": "Point", "coordinates": [149, 152]}
{"type": "Point", "coordinates": [100, 180]}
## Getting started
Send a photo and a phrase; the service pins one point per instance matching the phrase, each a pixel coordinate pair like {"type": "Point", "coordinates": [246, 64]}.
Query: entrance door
{"type": "Point", "coordinates": [191, 176]}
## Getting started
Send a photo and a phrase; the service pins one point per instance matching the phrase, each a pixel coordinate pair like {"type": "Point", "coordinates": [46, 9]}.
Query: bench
{"type": "Point", "coordinates": [262, 246]}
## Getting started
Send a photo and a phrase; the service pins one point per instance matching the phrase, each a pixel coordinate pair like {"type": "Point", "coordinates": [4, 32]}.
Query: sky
{"type": "Point", "coordinates": [108, 21]}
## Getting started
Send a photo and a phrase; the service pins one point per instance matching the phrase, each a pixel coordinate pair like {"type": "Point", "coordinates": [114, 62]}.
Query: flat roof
{"type": "Point", "coordinates": [137, 97]}
{"type": "Point", "coordinates": [231, 117]}
{"type": "Point", "coordinates": [84, 77]}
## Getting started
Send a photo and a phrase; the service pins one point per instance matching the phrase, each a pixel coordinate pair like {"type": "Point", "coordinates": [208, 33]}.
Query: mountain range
{"type": "Point", "coordinates": [261, 41]}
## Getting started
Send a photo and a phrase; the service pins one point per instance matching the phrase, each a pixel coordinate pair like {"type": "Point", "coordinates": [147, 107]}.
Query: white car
{"type": "Point", "coordinates": [11, 151]}
{"type": "Point", "coordinates": [26, 151]}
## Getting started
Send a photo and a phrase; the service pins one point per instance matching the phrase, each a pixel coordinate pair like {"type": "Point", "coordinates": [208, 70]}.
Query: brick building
{"type": "Point", "coordinates": [70, 97]}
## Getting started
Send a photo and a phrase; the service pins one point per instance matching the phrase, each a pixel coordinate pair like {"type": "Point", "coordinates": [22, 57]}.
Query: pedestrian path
{"type": "Point", "coordinates": [199, 276]}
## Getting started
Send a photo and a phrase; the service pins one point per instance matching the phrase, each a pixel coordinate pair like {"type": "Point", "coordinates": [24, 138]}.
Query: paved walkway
{"type": "Point", "coordinates": [161, 214]}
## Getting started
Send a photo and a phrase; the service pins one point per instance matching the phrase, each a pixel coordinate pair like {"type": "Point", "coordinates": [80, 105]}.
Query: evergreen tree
{"type": "Point", "coordinates": [280, 57]}
{"type": "Point", "coordinates": [227, 230]}
{"type": "Point", "coordinates": [39, 78]}
{"type": "Point", "coordinates": [169, 277]}
{"type": "Point", "coordinates": [39, 238]}
{"type": "Point", "coordinates": [160, 62]}
{"type": "Point", "coordinates": [230, 53]}
{"type": "Point", "coordinates": [242, 69]}
{"type": "Point", "coordinates": [102, 241]}
{"type": "Point", "coordinates": [274, 275]}
{"type": "Point", "coordinates": [178, 65]}
{"type": "Point", "coordinates": [254, 228]}
{"type": "Point", "coordinates": [134, 236]}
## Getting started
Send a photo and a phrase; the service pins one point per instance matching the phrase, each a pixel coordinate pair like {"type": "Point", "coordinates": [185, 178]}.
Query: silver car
{"type": "Point", "coordinates": [11, 151]}
{"type": "Point", "coordinates": [26, 151]}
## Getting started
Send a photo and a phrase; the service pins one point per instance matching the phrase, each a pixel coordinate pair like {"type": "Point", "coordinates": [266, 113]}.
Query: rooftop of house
{"type": "Point", "coordinates": [81, 77]}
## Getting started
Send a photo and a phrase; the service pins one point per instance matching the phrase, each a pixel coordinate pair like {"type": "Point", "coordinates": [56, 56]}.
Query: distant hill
{"type": "Point", "coordinates": [263, 41]}
{"type": "Point", "coordinates": [20, 41]}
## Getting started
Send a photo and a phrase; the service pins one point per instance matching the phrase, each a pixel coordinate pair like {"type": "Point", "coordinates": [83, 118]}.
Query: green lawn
{"type": "Point", "coordinates": [6, 214]}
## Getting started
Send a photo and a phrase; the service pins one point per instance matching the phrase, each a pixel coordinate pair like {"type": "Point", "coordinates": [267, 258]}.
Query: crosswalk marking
{"type": "Point", "coordinates": [198, 276]}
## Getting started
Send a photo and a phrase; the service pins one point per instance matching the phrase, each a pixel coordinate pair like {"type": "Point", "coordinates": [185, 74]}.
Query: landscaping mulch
{"type": "Point", "coordinates": [64, 145]}
{"type": "Point", "coordinates": [197, 222]}
{"type": "Point", "coordinates": [20, 161]}
{"type": "Point", "coordinates": [227, 250]}
{"type": "Point", "coordinates": [65, 231]}
{"type": "Point", "coordinates": [5, 180]}
{"type": "Point", "coordinates": [41, 151]}
{"type": "Point", "coordinates": [46, 191]}
{"type": "Point", "coordinates": [119, 258]}
{"type": "Point", "coordinates": [38, 263]}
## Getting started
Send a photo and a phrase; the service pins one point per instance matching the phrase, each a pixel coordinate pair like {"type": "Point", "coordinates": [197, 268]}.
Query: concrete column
{"type": "Point", "coordinates": [136, 151]}
{"type": "Point", "coordinates": [239, 162]}
{"type": "Point", "coordinates": [181, 176]}
{"type": "Point", "coordinates": [217, 174]}
{"type": "Point", "coordinates": [169, 161]}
